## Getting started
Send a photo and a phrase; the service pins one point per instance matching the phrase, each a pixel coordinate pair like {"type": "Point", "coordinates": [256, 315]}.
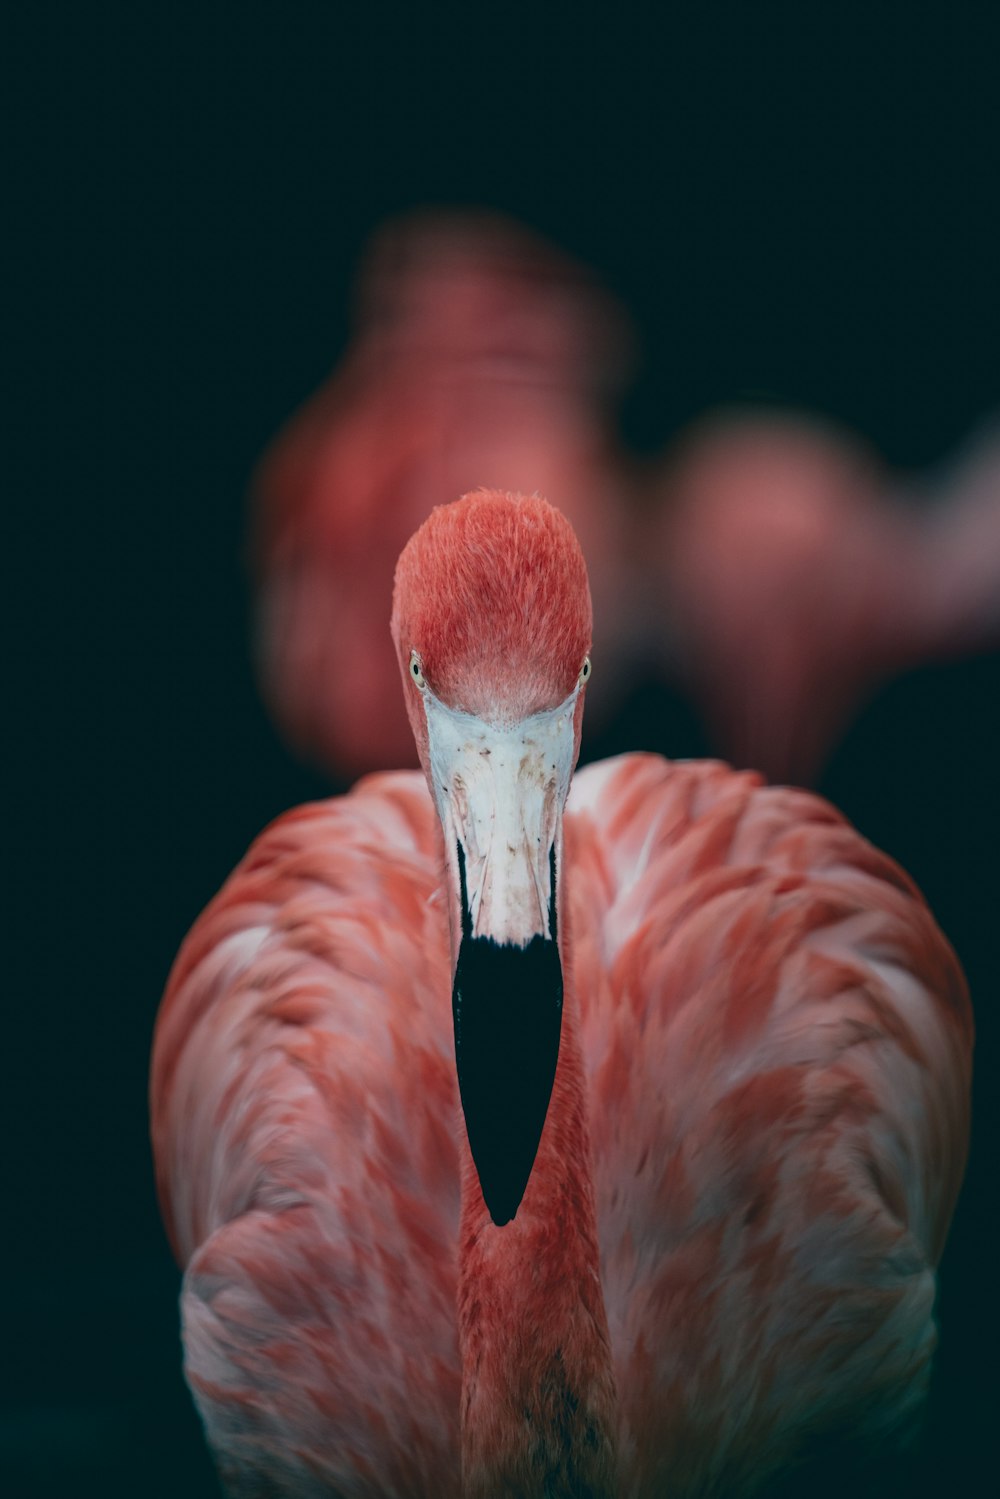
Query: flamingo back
{"type": "Point", "coordinates": [778, 1045]}
{"type": "Point", "coordinates": [305, 1118]}
{"type": "Point", "coordinates": [777, 1040]}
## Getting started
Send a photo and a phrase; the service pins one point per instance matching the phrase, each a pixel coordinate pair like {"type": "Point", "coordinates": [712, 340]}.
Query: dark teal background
{"type": "Point", "coordinates": [797, 202]}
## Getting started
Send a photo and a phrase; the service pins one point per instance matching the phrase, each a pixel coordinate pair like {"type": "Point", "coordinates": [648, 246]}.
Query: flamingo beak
{"type": "Point", "coordinates": [506, 1004]}
{"type": "Point", "coordinates": [500, 793]}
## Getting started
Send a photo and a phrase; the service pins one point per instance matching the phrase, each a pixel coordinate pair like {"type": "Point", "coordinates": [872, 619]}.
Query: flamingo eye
{"type": "Point", "coordinates": [585, 669]}
{"type": "Point", "coordinates": [415, 671]}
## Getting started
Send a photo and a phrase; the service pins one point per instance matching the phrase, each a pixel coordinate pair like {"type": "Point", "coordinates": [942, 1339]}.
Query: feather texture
{"type": "Point", "coordinates": [776, 1041]}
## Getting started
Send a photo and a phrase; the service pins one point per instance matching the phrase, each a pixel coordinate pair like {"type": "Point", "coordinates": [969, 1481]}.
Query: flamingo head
{"type": "Point", "coordinates": [492, 621]}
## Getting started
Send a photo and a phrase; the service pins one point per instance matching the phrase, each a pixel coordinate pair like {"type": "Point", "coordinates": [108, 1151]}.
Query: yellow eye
{"type": "Point", "coordinates": [415, 671]}
{"type": "Point", "coordinates": [585, 669]}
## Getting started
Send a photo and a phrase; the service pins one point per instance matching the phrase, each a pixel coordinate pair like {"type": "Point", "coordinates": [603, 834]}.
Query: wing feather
{"type": "Point", "coordinates": [305, 1124]}
{"type": "Point", "coordinates": [778, 1039]}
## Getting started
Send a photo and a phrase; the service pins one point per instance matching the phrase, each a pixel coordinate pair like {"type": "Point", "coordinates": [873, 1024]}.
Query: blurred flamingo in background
{"type": "Point", "coordinates": [955, 600]}
{"type": "Point", "coordinates": [791, 576]}
{"type": "Point", "coordinates": [482, 356]}
{"type": "Point", "coordinates": [713, 1060]}
{"type": "Point", "coordinates": [777, 571]}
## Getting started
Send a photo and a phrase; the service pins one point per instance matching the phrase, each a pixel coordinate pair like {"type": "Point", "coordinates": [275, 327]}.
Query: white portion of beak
{"type": "Point", "coordinates": [500, 792]}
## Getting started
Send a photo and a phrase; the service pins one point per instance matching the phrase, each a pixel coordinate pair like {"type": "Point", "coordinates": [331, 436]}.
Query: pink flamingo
{"type": "Point", "coordinates": [791, 577]}
{"type": "Point", "coordinates": [482, 355]}
{"type": "Point", "coordinates": [955, 595]}
{"type": "Point", "coordinates": [713, 1059]}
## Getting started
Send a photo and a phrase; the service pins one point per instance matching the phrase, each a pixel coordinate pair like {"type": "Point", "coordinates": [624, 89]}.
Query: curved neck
{"type": "Point", "coordinates": [538, 1390]}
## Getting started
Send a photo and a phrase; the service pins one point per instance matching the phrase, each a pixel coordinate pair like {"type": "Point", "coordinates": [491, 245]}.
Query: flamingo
{"type": "Point", "coordinates": [790, 576]}
{"type": "Point", "coordinates": [482, 354]}
{"type": "Point", "coordinates": [956, 587]}
{"type": "Point", "coordinates": [658, 1196]}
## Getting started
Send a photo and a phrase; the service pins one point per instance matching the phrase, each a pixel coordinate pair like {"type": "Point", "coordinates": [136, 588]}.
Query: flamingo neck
{"type": "Point", "coordinates": [538, 1390]}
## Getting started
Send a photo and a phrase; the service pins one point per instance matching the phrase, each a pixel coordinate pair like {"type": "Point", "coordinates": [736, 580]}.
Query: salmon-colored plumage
{"type": "Point", "coordinates": [796, 576]}
{"type": "Point", "coordinates": [756, 1133]}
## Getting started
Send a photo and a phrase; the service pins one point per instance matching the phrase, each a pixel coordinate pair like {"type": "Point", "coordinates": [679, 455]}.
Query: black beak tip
{"type": "Point", "coordinates": [502, 1180]}
{"type": "Point", "coordinates": [507, 1005]}
{"type": "Point", "coordinates": [501, 1195]}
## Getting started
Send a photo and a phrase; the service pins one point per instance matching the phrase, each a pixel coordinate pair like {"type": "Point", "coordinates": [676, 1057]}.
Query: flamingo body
{"type": "Point", "coordinates": [795, 577]}
{"type": "Point", "coordinates": [776, 1043]}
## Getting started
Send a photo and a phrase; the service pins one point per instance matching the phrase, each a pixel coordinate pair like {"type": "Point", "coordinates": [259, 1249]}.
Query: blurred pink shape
{"type": "Point", "coordinates": [777, 569]}
{"type": "Point", "coordinates": [956, 597]}
{"type": "Point", "coordinates": [482, 358]}
{"type": "Point", "coordinates": [794, 580]}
